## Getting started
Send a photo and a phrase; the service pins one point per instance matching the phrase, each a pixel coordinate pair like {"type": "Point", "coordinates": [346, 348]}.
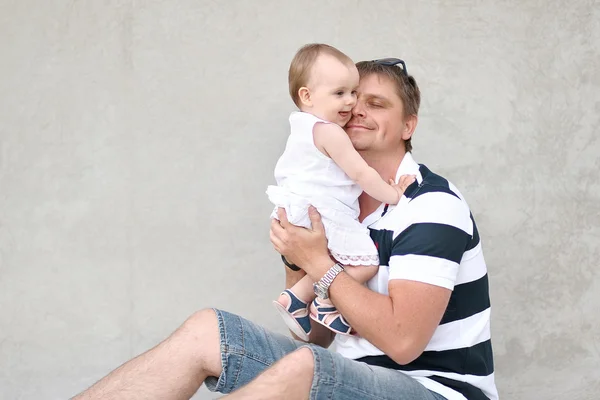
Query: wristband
{"type": "Point", "coordinates": [291, 266]}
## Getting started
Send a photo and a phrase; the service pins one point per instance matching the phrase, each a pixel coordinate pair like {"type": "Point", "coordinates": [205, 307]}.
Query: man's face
{"type": "Point", "coordinates": [377, 122]}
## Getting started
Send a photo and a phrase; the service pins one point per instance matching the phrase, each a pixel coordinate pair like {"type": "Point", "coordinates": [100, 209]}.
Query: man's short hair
{"type": "Point", "coordinates": [303, 61]}
{"type": "Point", "coordinates": [406, 87]}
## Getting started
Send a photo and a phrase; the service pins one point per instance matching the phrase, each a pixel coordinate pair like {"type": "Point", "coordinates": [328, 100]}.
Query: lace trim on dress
{"type": "Point", "coordinates": [356, 260]}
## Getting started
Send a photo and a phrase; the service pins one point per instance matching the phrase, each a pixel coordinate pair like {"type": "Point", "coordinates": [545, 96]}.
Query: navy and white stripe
{"type": "Point", "coordinates": [431, 237]}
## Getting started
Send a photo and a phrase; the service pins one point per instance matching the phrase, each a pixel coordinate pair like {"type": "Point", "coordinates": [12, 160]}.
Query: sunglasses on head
{"type": "Point", "coordinates": [390, 62]}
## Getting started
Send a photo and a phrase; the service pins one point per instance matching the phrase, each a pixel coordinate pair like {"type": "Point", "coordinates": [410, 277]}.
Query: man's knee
{"type": "Point", "coordinates": [303, 359]}
{"type": "Point", "coordinates": [200, 321]}
{"type": "Point", "coordinates": [199, 338]}
{"type": "Point", "coordinates": [201, 327]}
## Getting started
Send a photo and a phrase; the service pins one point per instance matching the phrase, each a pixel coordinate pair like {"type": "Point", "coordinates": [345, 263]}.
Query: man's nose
{"type": "Point", "coordinates": [358, 110]}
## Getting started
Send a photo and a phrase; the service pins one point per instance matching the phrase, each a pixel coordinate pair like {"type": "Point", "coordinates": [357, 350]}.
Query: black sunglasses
{"type": "Point", "coordinates": [390, 62]}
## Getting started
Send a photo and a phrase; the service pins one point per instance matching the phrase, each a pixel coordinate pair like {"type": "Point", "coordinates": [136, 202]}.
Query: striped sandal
{"type": "Point", "coordinates": [328, 316]}
{"type": "Point", "coordinates": [295, 315]}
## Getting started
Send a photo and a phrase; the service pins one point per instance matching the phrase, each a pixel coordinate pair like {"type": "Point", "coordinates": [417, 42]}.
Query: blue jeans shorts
{"type": "Point", "coordinates": [248, 349]}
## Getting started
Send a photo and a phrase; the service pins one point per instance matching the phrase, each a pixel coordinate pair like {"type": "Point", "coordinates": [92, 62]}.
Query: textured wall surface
{"type": "Point", "coordinates": [137, 139]}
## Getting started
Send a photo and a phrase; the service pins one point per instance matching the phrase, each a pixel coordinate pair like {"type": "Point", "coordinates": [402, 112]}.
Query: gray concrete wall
{"type": "Point", "coordinates": [137, 139]}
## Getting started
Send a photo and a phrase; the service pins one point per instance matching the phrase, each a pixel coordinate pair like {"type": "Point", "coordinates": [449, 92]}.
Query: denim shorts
{"type": "Point", "coordinates": [248, 349]}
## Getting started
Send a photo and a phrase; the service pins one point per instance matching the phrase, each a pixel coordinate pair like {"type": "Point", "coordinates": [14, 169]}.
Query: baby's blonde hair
{"type": "Point", "coordinates": [302, 63]}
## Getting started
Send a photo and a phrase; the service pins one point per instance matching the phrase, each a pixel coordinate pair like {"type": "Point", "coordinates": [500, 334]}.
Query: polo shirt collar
{"type": "Point", "coordinates": [408, 166]}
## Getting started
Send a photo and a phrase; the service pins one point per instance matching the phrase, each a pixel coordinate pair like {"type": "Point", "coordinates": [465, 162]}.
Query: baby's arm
{"type": "Point", "coordinates": [335, 143]}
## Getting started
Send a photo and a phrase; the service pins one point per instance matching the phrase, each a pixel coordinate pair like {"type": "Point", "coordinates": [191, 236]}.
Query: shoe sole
{"type": "Point", "coordinates": [290, 321]}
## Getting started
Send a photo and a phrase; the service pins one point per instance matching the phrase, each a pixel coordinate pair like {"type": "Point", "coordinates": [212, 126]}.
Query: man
{"type": "Point", "coordinates": [422, 321]}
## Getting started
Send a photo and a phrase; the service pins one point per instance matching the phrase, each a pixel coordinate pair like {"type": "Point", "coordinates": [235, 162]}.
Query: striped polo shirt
{"type": "Point", "coordinates": [431, 237]}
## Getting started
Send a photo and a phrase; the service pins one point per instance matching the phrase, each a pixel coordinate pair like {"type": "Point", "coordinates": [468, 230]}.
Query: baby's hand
{"type": "Point", "coordinates": [403, 183]}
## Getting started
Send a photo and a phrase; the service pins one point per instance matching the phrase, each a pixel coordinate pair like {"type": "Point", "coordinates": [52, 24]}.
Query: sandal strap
{"type": "Point", "coordinates": [304, 323]}
{"type": "Point", "coordinates": [340, 325]}
{"type": "Point", "coordinates": [297, 308]}
{"type": "Point", "coordinates": [321, 309]}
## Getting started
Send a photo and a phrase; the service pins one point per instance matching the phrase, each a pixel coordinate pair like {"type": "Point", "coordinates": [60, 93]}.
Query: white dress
{"type": "Point", "coordinates": [304, 177]}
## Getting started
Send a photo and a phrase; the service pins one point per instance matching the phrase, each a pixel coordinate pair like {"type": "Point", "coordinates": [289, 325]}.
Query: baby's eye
{"type": "Point", "coordinates": [339, 93]}
{"type": "Point", "coordinates": [354, 93]}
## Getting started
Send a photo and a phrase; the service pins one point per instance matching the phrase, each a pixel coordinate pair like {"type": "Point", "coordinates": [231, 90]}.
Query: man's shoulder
{"type": "Point", "coordinates": [435, 200]}
{"type": "Point", "coordinates": [432, 183]}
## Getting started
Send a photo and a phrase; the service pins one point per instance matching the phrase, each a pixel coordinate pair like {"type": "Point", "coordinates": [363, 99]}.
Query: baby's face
{"type": "Point", "coordinates": [333, 89]}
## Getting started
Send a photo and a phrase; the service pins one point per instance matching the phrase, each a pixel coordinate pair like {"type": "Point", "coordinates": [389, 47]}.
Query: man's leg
{"type": "Point", "coordinates": [223, 350]}
{"type": "Point", "coordinates": [290, 378]}
{"type": "Point", "coordinates": [174, 369]}
{"type": "Point", "coordinates": [313, 372]}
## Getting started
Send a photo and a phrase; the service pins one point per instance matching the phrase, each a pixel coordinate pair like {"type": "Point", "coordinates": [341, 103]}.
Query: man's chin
{"type": "Point", "coordinates": [359, 145]}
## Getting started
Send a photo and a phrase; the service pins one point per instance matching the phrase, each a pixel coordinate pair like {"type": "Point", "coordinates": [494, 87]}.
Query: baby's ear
{"type": "Point", "coordinates": [304, 96]}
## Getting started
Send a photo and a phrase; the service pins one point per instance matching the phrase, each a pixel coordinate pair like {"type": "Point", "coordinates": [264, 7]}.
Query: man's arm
{"type": "Point", "coordinates": [401, 324]}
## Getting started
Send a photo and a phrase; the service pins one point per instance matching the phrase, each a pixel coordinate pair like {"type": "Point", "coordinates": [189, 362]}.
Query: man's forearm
{"type": "Point", "coordinates": [371, 314]}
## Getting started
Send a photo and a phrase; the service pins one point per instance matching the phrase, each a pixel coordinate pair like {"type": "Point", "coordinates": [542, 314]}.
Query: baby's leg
{"type": "Point", "coordinates": [361, 273]}
{"type": "Point", "coordinates": [293, 304]}
{"type": "Point", "coordinates": [303, 289]}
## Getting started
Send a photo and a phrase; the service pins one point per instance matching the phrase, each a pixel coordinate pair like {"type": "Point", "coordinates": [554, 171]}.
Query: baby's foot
{"type": "Point", "coordinates": [294, 313]}
{"type": "Point", "coordinates": [325, 313]}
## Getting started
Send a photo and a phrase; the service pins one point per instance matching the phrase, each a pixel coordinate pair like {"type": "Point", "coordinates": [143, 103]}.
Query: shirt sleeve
{"type": "Point", "coordinates": [430, 249]}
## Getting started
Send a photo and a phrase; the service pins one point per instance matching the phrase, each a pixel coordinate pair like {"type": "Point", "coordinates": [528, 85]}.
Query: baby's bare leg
{"type": "Point", "coordinates": [303, 289]}
{"type": "Point", "coordinates": [361, 273]}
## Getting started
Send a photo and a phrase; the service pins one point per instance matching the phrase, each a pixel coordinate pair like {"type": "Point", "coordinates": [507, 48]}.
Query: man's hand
{"type": "Point", "coordinates": [306, 248]}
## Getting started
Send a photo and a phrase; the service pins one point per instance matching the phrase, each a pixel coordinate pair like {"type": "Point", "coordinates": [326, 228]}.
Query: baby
{"type": "Point", "coordinates": [320, 167]}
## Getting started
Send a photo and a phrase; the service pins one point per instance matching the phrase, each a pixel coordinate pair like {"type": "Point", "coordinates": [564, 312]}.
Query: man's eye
{"type": "Point", "coordinates": [376, 105]}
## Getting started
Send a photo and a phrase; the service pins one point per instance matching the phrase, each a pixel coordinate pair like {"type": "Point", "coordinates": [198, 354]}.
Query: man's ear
{"type": "Point", "coordinates": [304, 96]}
{"type": "Point", "coordinates": [410, 124]}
